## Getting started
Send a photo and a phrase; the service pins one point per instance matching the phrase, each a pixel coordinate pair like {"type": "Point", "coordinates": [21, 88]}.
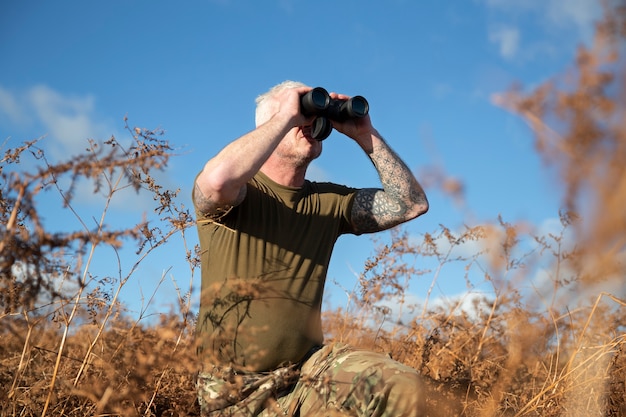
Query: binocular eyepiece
{"type": "Point", "coordinates": [318, 102]}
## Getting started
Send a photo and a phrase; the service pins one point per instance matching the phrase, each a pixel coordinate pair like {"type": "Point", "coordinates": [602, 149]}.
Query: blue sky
{"type": "Point", "coordinates": [72, 70]}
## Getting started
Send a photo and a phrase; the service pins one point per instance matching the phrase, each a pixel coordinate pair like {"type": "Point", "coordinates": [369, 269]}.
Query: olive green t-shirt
{"type": "Point", "coordinates": [264, 265]}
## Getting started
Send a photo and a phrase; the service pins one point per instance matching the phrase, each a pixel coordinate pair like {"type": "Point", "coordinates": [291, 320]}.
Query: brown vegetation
{"type": "Point", "coordinates": [76, 353]}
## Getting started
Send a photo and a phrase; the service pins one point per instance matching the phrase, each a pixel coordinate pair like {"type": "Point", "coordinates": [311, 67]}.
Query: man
{"type": "Point", "coordinates": [266, 236]}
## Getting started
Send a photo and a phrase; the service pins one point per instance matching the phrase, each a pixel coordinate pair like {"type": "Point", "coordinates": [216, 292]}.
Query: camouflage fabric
{"type": "Point", "coordinates": [337, 380]}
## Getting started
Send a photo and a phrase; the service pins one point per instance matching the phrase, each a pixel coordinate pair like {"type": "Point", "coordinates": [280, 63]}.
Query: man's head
{"type": "Point", "coordinates": [297, 148]}
{"type": "Point", "coordinates": [265, 104]}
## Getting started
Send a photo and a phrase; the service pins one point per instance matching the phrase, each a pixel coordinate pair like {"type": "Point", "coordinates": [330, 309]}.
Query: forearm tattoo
{"type": "Point", "coordinates": [202, 202]}
{"type": "Point", "coordinates": [401, 198]}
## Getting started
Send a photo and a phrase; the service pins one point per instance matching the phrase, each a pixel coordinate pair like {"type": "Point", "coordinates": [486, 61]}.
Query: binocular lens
{"type": "Point", "coordinates": [359, 106]}
{"type": "Point", "coordinates": [314, 101]}
{"type": "Point", "coordinates": [319, 98]}
{"type": "Point", "coordinates": [321, 128]}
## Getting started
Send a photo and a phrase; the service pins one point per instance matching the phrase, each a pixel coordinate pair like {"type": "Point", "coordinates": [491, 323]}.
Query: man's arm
{"type": "Point", "coordinates": [222, 183]}
{"type": "Point", "coordinates": [401, 199]}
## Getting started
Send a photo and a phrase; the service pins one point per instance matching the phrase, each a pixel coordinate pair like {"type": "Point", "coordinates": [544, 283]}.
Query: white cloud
{"type": "Point", "coordinates": [67, 121]}
{"type": "Point", "coordinates": [507, 38]}
{"type": "Point", "coordinates": [10, 107]}
{"type": "Point", "coordinates": [577, 13]}
{"type": "Point", "coordinates": [70, 121]}
{"type": "Point", "coordinates": [471, 304]}
{"type": "Point", "coordinates": [580, 14]}
{"type": "Point", "coordinates": [571, 20]}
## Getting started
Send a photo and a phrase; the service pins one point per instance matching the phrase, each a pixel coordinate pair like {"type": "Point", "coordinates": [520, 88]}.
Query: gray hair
{"type": "Point", "coordinates": [265, 104]}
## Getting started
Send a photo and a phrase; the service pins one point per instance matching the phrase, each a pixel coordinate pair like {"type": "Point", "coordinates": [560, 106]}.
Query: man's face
{"type": "Point", "coordinates": [298, 147]}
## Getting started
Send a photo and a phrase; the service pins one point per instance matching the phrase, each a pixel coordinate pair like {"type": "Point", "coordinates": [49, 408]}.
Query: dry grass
{"type": "Point", "coordinates": [68, 347]}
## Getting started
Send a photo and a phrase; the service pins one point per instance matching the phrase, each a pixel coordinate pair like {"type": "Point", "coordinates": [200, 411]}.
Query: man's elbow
{"type": "Point", "coordinates": [218, 186]}
{"type": "Point", "coordinates": [212, 195]}
{"type": "Point", "coordinates": [418, 207]}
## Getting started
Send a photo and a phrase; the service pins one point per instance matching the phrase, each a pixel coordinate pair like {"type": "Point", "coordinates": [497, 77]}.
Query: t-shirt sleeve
{"type": "Point", "coordinates": [343, 197]}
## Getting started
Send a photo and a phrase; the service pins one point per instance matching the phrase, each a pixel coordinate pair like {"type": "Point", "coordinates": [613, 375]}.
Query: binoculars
{"type": "Point", "coordinates": [317, 102]}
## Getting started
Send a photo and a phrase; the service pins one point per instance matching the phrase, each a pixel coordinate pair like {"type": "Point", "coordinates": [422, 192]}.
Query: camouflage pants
{"type": "Point", "coordinates": [337, 380]}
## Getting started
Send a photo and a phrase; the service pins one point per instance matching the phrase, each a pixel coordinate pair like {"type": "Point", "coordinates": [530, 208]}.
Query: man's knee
{"type": "Point", "coordinates": [360, 383]}
{"type": "Point", "coordinates": [405, 393]}
{"type": "Point", "coordinates": [387, 387]}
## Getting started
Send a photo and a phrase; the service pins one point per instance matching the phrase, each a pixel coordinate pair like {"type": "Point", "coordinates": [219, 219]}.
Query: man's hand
{"type": "Point", "coordinates": [286, 103]}
{"type": "Point", "coordinates": [359, 129]}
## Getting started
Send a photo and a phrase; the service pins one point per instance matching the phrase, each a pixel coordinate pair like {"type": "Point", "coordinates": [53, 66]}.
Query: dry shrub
{"type": "Point", "coordinates": [69, 348]}
{"type": "Point", "coordinates": [502, 353]}
{"type": "Point", "coordinates": [578, 121]}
